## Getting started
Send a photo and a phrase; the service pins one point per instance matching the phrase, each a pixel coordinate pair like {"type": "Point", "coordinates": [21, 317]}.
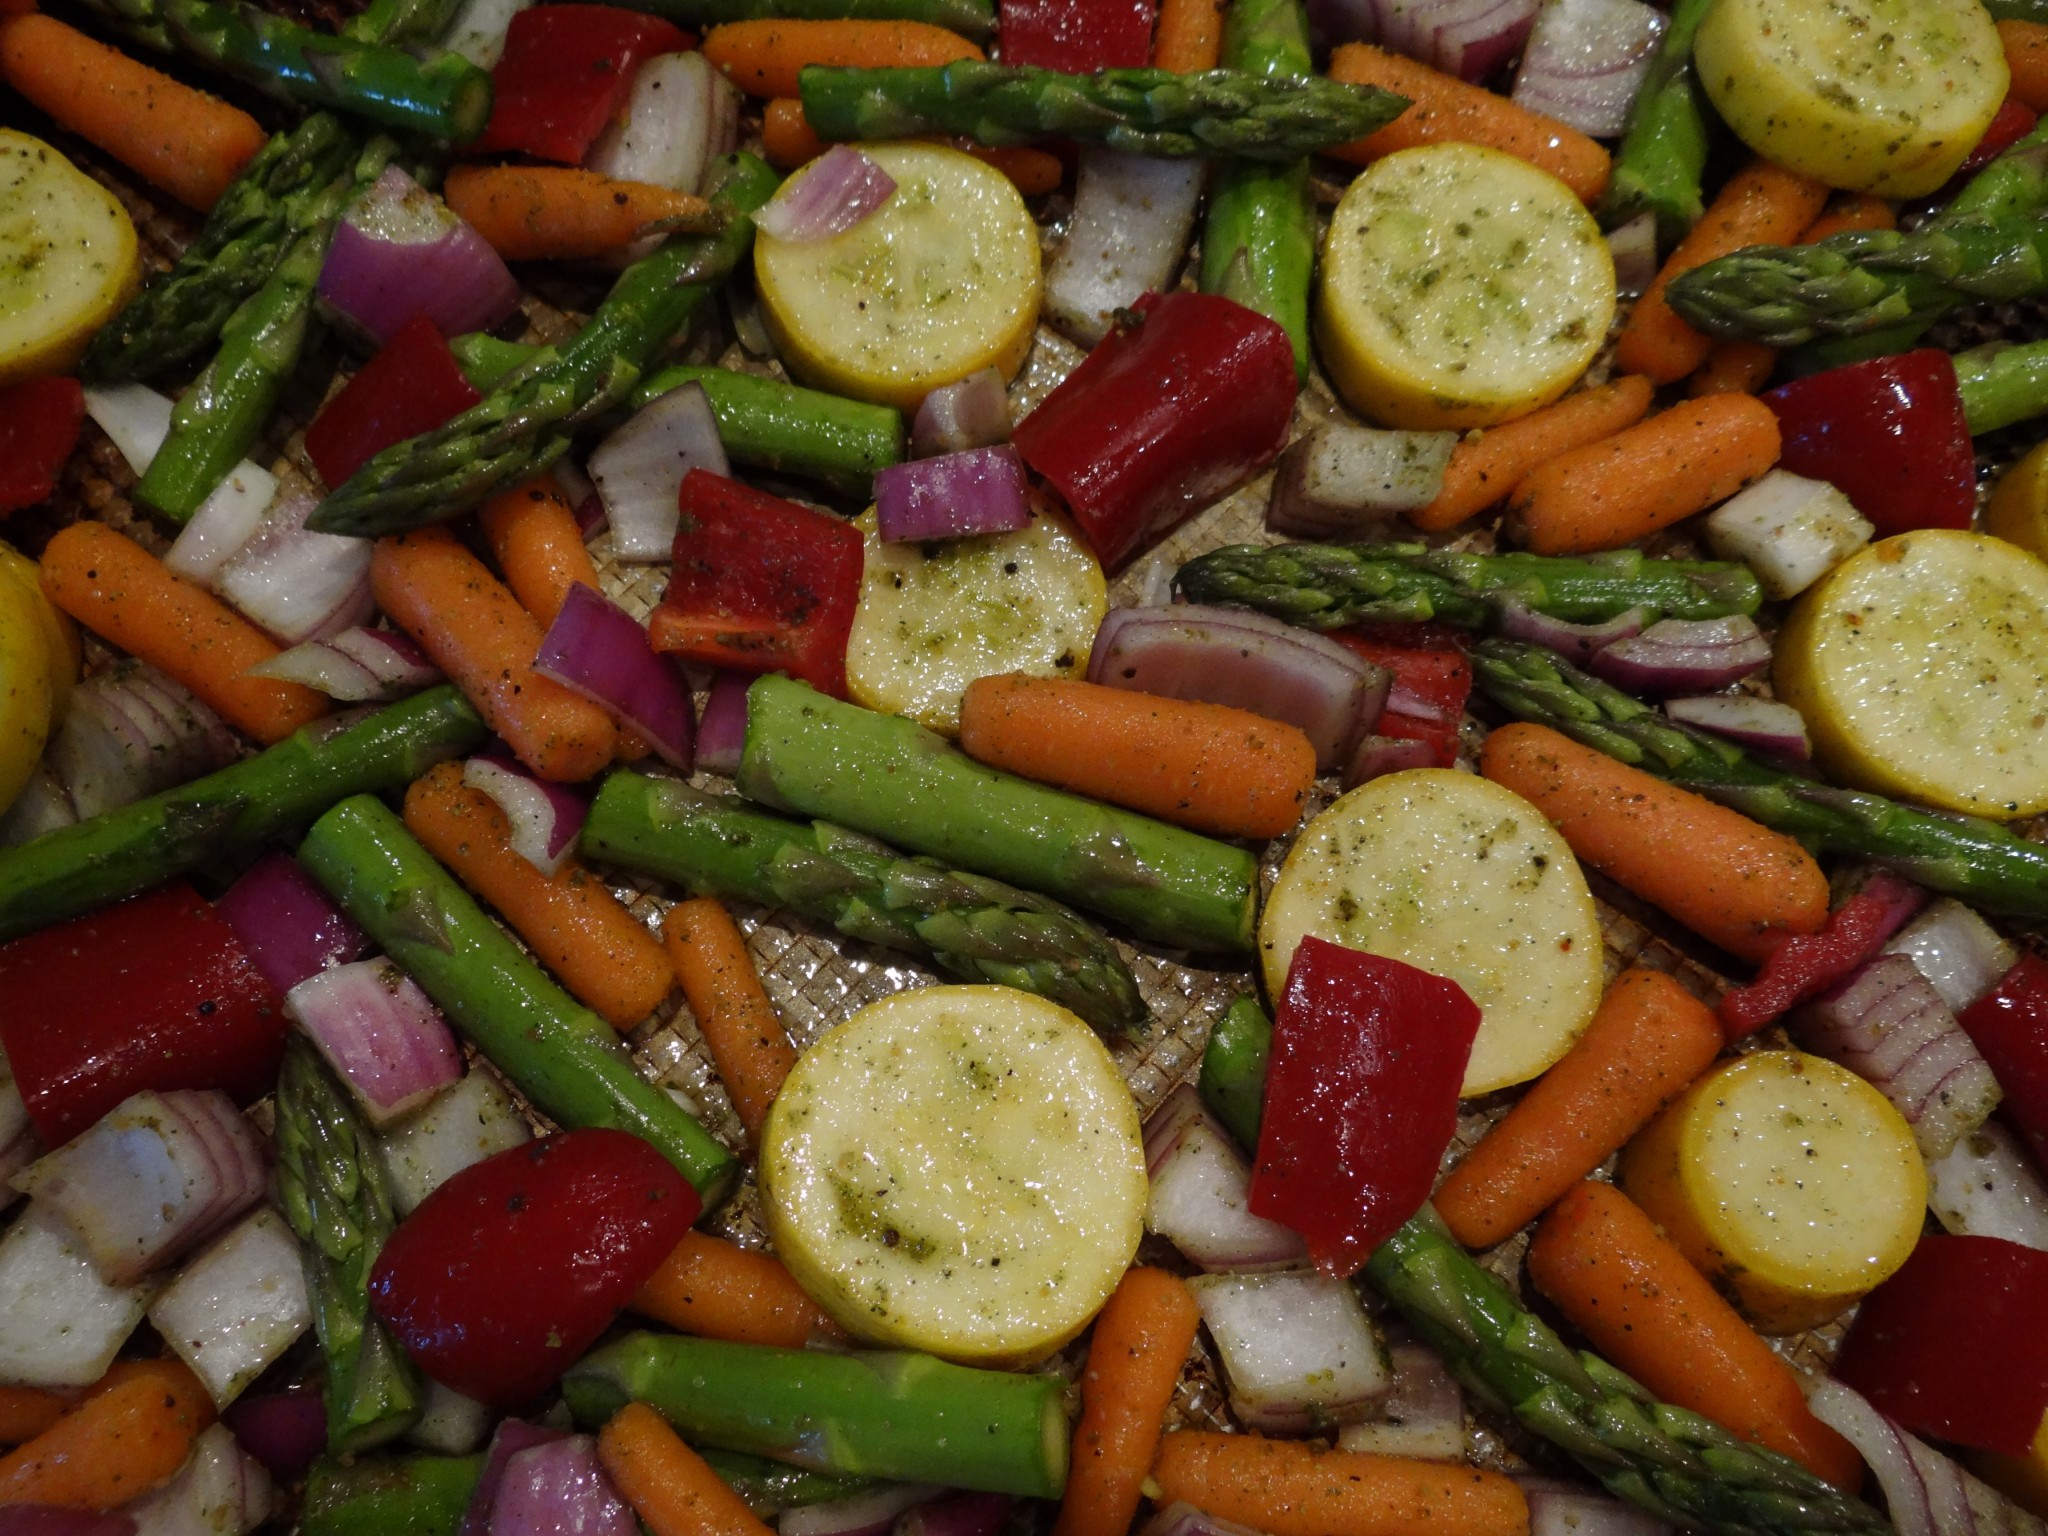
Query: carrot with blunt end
{"type": "Point", "coordinates": [1489, 464]}
{"type": "Point", "coordinates": [572, 921]}
{"type": "Point", "coordinates": [788, 141]}
{"type": "Point", "coordinates": [1031, 171]}
{"type": "Point", "coordinates": [1649, 1039]}
{"type": "Point", "coordinates": [2026, 56]}
{"type": "Point", "coordinates": [1141, 1341]}
{"type": "Point", "coordinates": [1220, 770]}
{"type": "Point", "coordinates": [26, 1412]}
{"type": "Point", "coordinates": [535, 540]}
{"type": "Point", "coordinates": [1729, 880]}
{"type": "Point", "coordinates": [1656, 473]}
{"type": "Point", "coordinates": [671, 1488]}
{"type": "Point", "coordinates": [1611, 1273]}
{"type": "Point", "coordinates": [719, 1290]}
{"type": "Point", "coordinates": [563, 212]}
{"type": "Point", "coordinates": [126, 596]}
{"type": "Point", "coordinates": [748, 1044]}
{"type": "Point", "coordinates": [764, 58]}
{"type": "Point", "coordinates": [1297, 1488]}
{"type": "Point", "coordinates": [1445, 110]}
{"type": "Point", "coordinates": [186, 142]}
{"type": "Point", "coordinates": [476, 632]}
{"type": "Point", "coordinates": [1188, 37]}
{"type": "Point", "coordinates": [119, 1442]}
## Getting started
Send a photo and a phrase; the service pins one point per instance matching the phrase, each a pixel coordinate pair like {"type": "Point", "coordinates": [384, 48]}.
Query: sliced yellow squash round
{"type": "Point", "coordinates": [2018, 509]}
{"type": "Point", "coordinates": [939, 282]}
{"type": "Point", "coordinates": [60, 634]}
{"type": "Point", "coordinates": [68, 258]}
{"type": "Point", "coordinates": [29, 675]}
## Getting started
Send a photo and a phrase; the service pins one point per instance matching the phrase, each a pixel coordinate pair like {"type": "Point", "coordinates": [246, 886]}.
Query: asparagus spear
{"type": "Point", "coordinates": [894, 1415]}
{"type": "Point", "coordinates": [1140, 111]}
{"type": "Point", "coordinates": [1326, 586]}
{"type": "Point", "coordinates": [1979, 861]}
{"type": "Point", "coordinates": [526, 423]}
{"type": "Point", "coordinates": [770, 1487]}
{"type": "Point", "coordinates": [2002, 383]}
{"type": "Point", "coordinates": [1233, 1081]}
{"type": "Point", "coordinates": [1664, 149]}
{"type": "Point", "coordinates": [333, 1191]}
{"type": "Point", "coordinates": [562, 1056]}
{"type": "Point", "coordinates": [233, 812]}
{"type": "Point", "coordinates": [374, 1496]}
{"type": "Point", "coordinates": [970, 18]}
{"type": "Point", "coordinates": [970, 926]}
{"type": "Point", "coordinates": [2018, 10]}
{"type": "Point", "coordinates": [400, 22]}
{"type": "Point", "coordinates": [789, 430]}
{"type": "Point", "coordinates": [891, 777]}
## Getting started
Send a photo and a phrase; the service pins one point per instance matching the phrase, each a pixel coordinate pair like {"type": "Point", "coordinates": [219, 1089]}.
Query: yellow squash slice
{"type": "Point", "coordinates": [68, 258]}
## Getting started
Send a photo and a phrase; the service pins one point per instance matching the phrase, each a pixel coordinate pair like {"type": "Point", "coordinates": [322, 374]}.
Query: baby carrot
{"type": "Point", "coordinates": [1649, 1039]}
{"type": "Point", "coordinates": [1652, 475]}
{"type": "Point", "coordinates": [764, 58]}
{"type": "Point", "coordinates": [747, 1041]}
{"type": "Point", "coordinates": [119, 1442]}
{"type": "Point", "coordinates": [1298, 1488]}
{"type": "Point", "coordinates": [1444, 109]}
{"type": "Point", "coordinates": [562, 212]}
{"type": "Point", "coordinates": [1609, 1270]}
{"type": "Point", "coordinates": [577, 927]}
{"type": "Point", "coordinates": [671, 1488]}
{"type": "Point", "coordinates": [1853, 210]}
{"type": "Point", "coordinates": [26, 1412]}
{"type": "Point", "coordinates": [1220, 770]}
{"type": "Point", "coordinates": [2026, 55]}
{"type": "Point", "coordinates": [1141, 1341]}
{"type": "Point", "coordinates": [534, 538]}
{"type": "Point", "coordinates": [1031, 171]}
{"type": "Point", "coordinates": [184, 141]}
{"type": "Point", "coordinates": [1731, 881]}
{"type": "Point", "coordinates": [788, 141]}
{"type": "Point", "coordinates": [123, 593]}
{"type": "Point", "coordinates": [1188, 37]}
{"type": "Point", "coordinates": [1489, 464]}
{"type": "Point", "coordinates": [719, 1290]}
{"type": "Point", "coordinates": [476, 632]}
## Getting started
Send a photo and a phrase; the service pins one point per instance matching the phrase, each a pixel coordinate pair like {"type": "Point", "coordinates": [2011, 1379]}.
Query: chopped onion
{"type": "Point", "coordinates": [833, 193]}
{"type": "Point", "coordinates": [237, 1306]}
{"type": "Point", "coordinates": [1129, 231]}
{"type": "Point", "coordinates": [639, 470]}
{"type": "Point", "coordinates": [722, 733]}
{"type": "Point", "coordinates": [473, 1120]}
{"type": "Point", "coordinates": [1467, 38]}
{"type": "Point", "coordinates": [544, 817]}
{"type": "Point", "coordinates": [680, 114]}
{"type": "Point", "coordinates": [1586, 60]}
{"type": "Point", "coordinates": [559, 1487]}
{"type": "Point", "coordinates": [357, 666]}
{"type": "Point", "coordinates": [40, 809]}
{"type": "Point", "coordinates": [291, 928]}
{"type": "Point", "coordinates": [137, 420]}
{"type": "Point", "coordinates": [1230, 656]}
{"type": "Point", "coordinates": [1925, 1493]}
{"type": "Point", "coordinates": [863, 1514]}
{"type": "Point", "coordinates": [400, 252]}
{"type": "Point", "coordinates": [1201, 1191]}
{"type": "Point", "coordinates": [18, 1144]}
{"type": "Point", "coordinates": [973, 412]}
{"type": "Point", "coordinates": [1422, 1415]}
{"type": "Point", "coordinates": [959, 1514]}
{"type": "Point", "coordinates": [478, 31]}
{"type": "Point", "coordinates": [130, 732]}
{"type": "Point", "coordinates": [295, 583]}
{"type": "Point", "coordinates": [1767, 725]}
{"type": "Point", "coordinates": [1558, 1508]}
{"type": "Point", "coordinates": [597, 649]}
{"type": "Point", "coordinates": [1955, 949]}
{"type": "Point", "coordinates": [1343, 481]}
{"type": "Point", "coordinates": [510, 1438]}
{"type": "Point", "coordinates": [380, 1033]}
{"type": "Point", "coordinates": [1575, 642]}
{"type": "Point", "coordinates": [220, 1491]}
{"type": "Point", "coordinates": [283, 1430]}
{"type": "Point", "coordinates": [1788, 529]}
{"type": "Point", "coordinates": [1684, 656]}
{"type": "Point", "coordinates": [60, 1323]}
{"type": "Point", "coordinates": [1988, 1187]}
{"type": "Point", "coordinates": [1297, 1350]}
{"type": "Point", "coordinates": [1633, 248]}
{"type": "Point", "coordinates": [1183, 1519]}
{"type": "Point", "coordinates": [955, 495]}
{"type": "Point", "coordinates": [449, 1423]}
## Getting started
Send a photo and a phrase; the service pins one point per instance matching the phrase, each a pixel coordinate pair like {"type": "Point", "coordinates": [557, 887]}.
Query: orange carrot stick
{"type": "Point", "coordinates": [1853, 210]}
{"type": "Point", "coordinates": [1731, 881]}
{"type": "Point", "coordinates": [186, 142]}
{"type": "Point", "coordinates": [788, 141]}
{"type": "Point", "coordinates": [2026, 55]}
{"type": "Point", "coordinates": [562, 212]}
{"type": "Point", "coordinates": [1221, 770]}
{"type": "Point", "coordinates": [1488, 465]}
{"type": "Point", "coordinates": [578, 928]}
{"type": "Point", "coordinates": [534, 538]}
{"type": "Point", "coordinates": [719, 1290]}
{"type": "Point", "coordinates": [1609, 1270]}
{"type": "Point", "coordinates": [1444, 109]}
{"type": "Point", "coordinates": [1649, 1039]}
{"type": "Point", "coordinates": [764, 58]}
{"type": "Point", "coordinates": [1762, 204]}
{"type": "Point", "coordinates": [748, 1044]}
{"type": "Point", "coordinates": [671, 1488]}
{"type": "Point", "coordinates": [1141, 1341]}
{"type": "Point", "coordinates": [1298, 1488]}
{"type": "Point", "coordinates": [1032, 170]}
{"type": "Point", "coordinates": [123, 593]}
{"type": "Point", "coordinates": [476, 632]}
{"type": "Point", "coordinates": [26, 1412]}
{"type": "Point", "coordinates": [115, 1445]}
{"type": "Point", "coordinates": [1188, 37]}
{"type": "Point", "coordinates": [1656, 473]}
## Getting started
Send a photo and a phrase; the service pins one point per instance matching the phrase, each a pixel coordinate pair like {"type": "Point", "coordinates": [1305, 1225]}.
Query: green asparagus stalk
{"type": "Point", "coordinates": [893, 1415]}
{"type": "Point", "coordinates": [889, 776]}
{"type": "Point", "coordinates": [562, 1056]}
{"type": "Point", "coordinates": [231, 813]}
{"type": "Point", "coordinates": [1233, 1080]}
{"type": "Point", "coordinates": [526, 423]}
{"type": "Point", "coordinates": [2035, 11]}
{"type": "Point", "coordinates": [332, 1188]}
{"type": "Point", "coordinates": [1664, 149]}
{"type": "Point", "coordinates": [977, 929]}
{"type": "Point", "coordinates": [789, 430]}
{"type": "Point", "coordinates": [1326, 586]}
{"type": "Point", "coordinates": [401, 22]}
{"type": "Point", "coordinates": [485, 360]}
{"type": "Point", "coordinates": [1140, 111]}
{"type": "Point", "coordinates": [769, 1487]}
{"type": "Point", "coordinates": [1977, 860]}
{"type": "Point", "coordinates": [378, 1496]}
{"type": "Point", "coordinates": [2002, 383]}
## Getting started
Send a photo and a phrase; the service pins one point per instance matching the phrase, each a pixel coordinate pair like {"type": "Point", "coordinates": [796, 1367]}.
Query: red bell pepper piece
{"type": "Point", "coordinates": [1077, 37]}
{"type": "Point", "coordinates": [1361, 1098]}
{"type": "Point", "coordinates": [156, 993]}
{"type": "Point", "coordinates": [508, 1272]}
{"type": "Point", "coordinates": [2013, 121]}
{"type": "Point", "coordinates": [411, 386]}
{"type": "Point", "coordinates": [2010, 1027]}
{"type": "Point", "coordinates": [1952, 1345]}
{"type": "Point", "coordinates": [1805, 965]}
{"type": "Point", "coordinates": [1432, 681]}
{"type": "Point", "coordinates": [564, 74]}
{"type": "Point", "coordinates": [759, 584]}
{"type": "Point", "coordinates": [1888, 433]}
{"type": "Point", "coordinates": [1173, 408]}
{"type": "Point", "coordinates": [39, 422]}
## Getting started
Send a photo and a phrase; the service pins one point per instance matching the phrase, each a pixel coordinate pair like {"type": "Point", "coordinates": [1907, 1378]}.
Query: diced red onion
{"type": "Point", "coordinates": [559, 1487]}
{"type": "Point", "coordinates": [1235, 657]}
{"type": "Point", "coordinates": [1585, 62]}
{"type": "Point", "coordinates": [1128, 233]}
{"type": "Point", "coordinates": [1183, 1519]}
{"type": "Point", "coordinates": [1684, 656]}
{"type": "Point", "coordinates": [380, 1033]}
{"type": "Point", "coordinates": [226, 521]}
{"type": "Point", "coordinates": [135, 418]}
{"type": "Point", "coordinates": [357, 666]}
{"type": "Point", "coordinates": [1343, 481]}
{"type": "Point", "coordinates": [393, 658]}
{"type": "Point", "coordinates": [291, 928]}
{"type": "Point", "coordinates": [1422, 1415]}
{"type": "Point", "coordinates": [828, 197]}
{"type": "Point", "coordinates": [1297, 1349]}
{"type": "Point", "coordinates": [722, 733]}
{"type": "Point", "coordinates": [973, 412]}
{"type": "Point", "coordinates": [61, 1324]}
{"type": "Point", "coordinates": [237, 1306]}
{"type": "Point", "coordinates": [597, 649]}
{"type": "Point", "coordinates": [295, 583]}
{"type": "Point", "coordinates": [1633, 246]}
{"type": "Point", "coordinates": [1558, 1508]}
{"type": "Point", "coordinates": [473, 1120]}
{"type": "Point", "coordinates": [1467, 38]}
{"type": "Point", "coordinates": [400, 252]}
{"type": "Point", "coordinates": [577, 489]}
{"type": "Point", "coordinates": [1788, 529]}
{"type": "Point", "coordinates": [449, 1423]}
{"type": "Point", "coordinates": [1963, 956]}
{"type": "Point", "coordinates": [129, 732]}
{"type": "Point", "coordinates": [1578, 643]}
{"type": "Point", "coordinates": [1925, 1493]}
{"type": "Point", "coordinates": [478, 30]}
{"type": "Point", "coordinates": [510, 1438]}
{"type": "Point", "coordinates": [1201, 1189]}
{"type": "Point", "coordinates": [955, 495]}
{"type": "Point", "coordinates": [1987, 1186]}
{"type": "Point", "coordinates": [680, 114]}
{"type": "Point", "coordinates": [1806, 965]}
{"type": "Point", "coordinates": [56, 1520]}
{"type": "Point", "coordinates": [220, 1491]}
{"type": "Point", "coordinates": [863, 1514]}
{"type": "Point", "coordinates": [959, 1514]}
{"type": "Point", "coordinates": [1767, 725]}
{"type": "Point", "coordinates": [283, 1430]}
{"type": "Point", "coordinates": [639, 470]}
{"type": "Point", "coordinates": [544, 817]}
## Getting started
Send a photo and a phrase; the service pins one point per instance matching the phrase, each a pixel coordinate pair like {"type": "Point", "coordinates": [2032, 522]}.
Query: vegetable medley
{"type": "Point", "coordinates": [362, 814]}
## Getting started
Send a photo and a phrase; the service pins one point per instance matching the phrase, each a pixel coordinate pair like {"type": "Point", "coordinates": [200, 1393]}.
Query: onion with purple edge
{"type": "Point", "coordinates": [639, 470]}
{"type": "Point", "coordinates": [1586, 60]}
{"type": "Point", "coordinates": [400, 252]}
{"type": "Point", "coordinates": [1577, 643]}
{"type": "Point", "coordinates": [1925, 1493]}
{"type": "Point", "coordinates": [1127, 238]}
{"type": "Point", "coordinates": [956, 495]}
{"type": "Point", "coordinates": [973, 412]}
{"type": "Point", "coordinates": [1558, 1508]}
{"type": "Point", "coordinates": [597, 649]}
{"type": "Point", "coordinates": [722, 733]}
{"type": "Point", "coordinates": [557, 1487]}
{"type": "Point", "coordinates": [873, 1513]}
{"type": "Point", "coordinates": [1183, 1519]}
{"type": "Point", "coordinates": [357, 666]}
{"type": "Point", "coordinates": [832, 194]}
{"type": "Point", "coordinates": [1684, 656]}
{"type": "Point", "coordinates": [1201, 1193]}
{"type": "Point", "coordinates": [510, 1438]}
{"type": "Point", "coordinates": [291, 928]}
{"type": "Point", "coordinates": [295, 583]}
{"type": "Point", "coordinates": [959, 1514]}
{"type": "Point", "coordinates": [545, 818]}
{"type": "Point", "coordinates": [1960, 954]}
{"type": "Point", "coordinates": [1297, 1349]}
{"type": "Point", "coordinates": [380, 1033]}
{"type": "Point", "coordinates": [1634, 248]}
{"type": "Point", "coordinates": [1377, 756]}
{"type": "Point", "coordinates": [1467, 38]}
{"type": "Point", "coordinates": [1422, 1415]}
{"type": "Point", "coordinates": [1764, 725]}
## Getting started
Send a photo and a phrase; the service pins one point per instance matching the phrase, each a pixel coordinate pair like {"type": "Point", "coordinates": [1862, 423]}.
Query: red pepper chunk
{"type": "Point", "coordinates": [2009, 1025]}
{"type": "Point", "coordinates": [1169, 411]}
{"type": "Point", "coordinates": [155, 993]}
{"type": "Point", "coordinates": [1432, 681]}
{"type": "Point", "coordinates": [1361, 1098]}
{"type": "Point", "coordinates": [1077, 37]}
{"type": "Point", "coordinates": [411, 386]}
{"type": "Point", "coordinates": [2013, 121]}
{"type": "Point", "coordinates": [39, 423]}
{"type": "Point", "coordinates": [564, 74]}
{"type": "Point", "coordinates": [1806, 964]}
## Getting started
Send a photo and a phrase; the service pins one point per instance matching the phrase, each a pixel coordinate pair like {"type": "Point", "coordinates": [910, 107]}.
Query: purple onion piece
{"type": "Point", "coordinates": [1380, 755]}
{"type": "Point", "coordinates": [956, 495]}
{"type": "Point", "coordinates": [1183, 1519]}
{"type": "Point", "coordinates": [291, 928]}
{"type": "Point", "coordinates": [722, 733]}
{"type": "Point", "coordinates": [873, 1513]}
{"type": "Point", "coordinates": [959, 1514]}
{"type": "Point", "coordinates": [510, 1438]}
{"type": "Point", "coordinates": [401, 252]}
{"type": "Point", "coordinates": [380, 1033]}
{"type": "Point", "coordinates": [556, 1487]}
{"type": "Point", "coordinates": [283, 1430]}
{"type": "Point", "coordinates": [834, 193]}
{"type": "Point", "coordinates": [1558, 1508]}
{"type": "Point", "coordinates": [1201, 1192]}
{"type": "Point", "coordinates": [1575, 642]}
{"type": "Point", "coordinates": [389, 655]}
{"type": "Point", "coordinates": [1767, 725]}
{"type": "Point", "coordinates": [295, 583]}
{"type": "Point", "coordinates": [1634, 249]}
{"type": "Point", "coordinates": [597, 649]}
{"type": "Point", "coordinates": [545, 818]}
{"type": "Point", "coordinates": [973, 412]}
{"type": "Point", "coordinates": [1585, 62]}
{"type": "Point", "coordinates": [1684, 656]}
